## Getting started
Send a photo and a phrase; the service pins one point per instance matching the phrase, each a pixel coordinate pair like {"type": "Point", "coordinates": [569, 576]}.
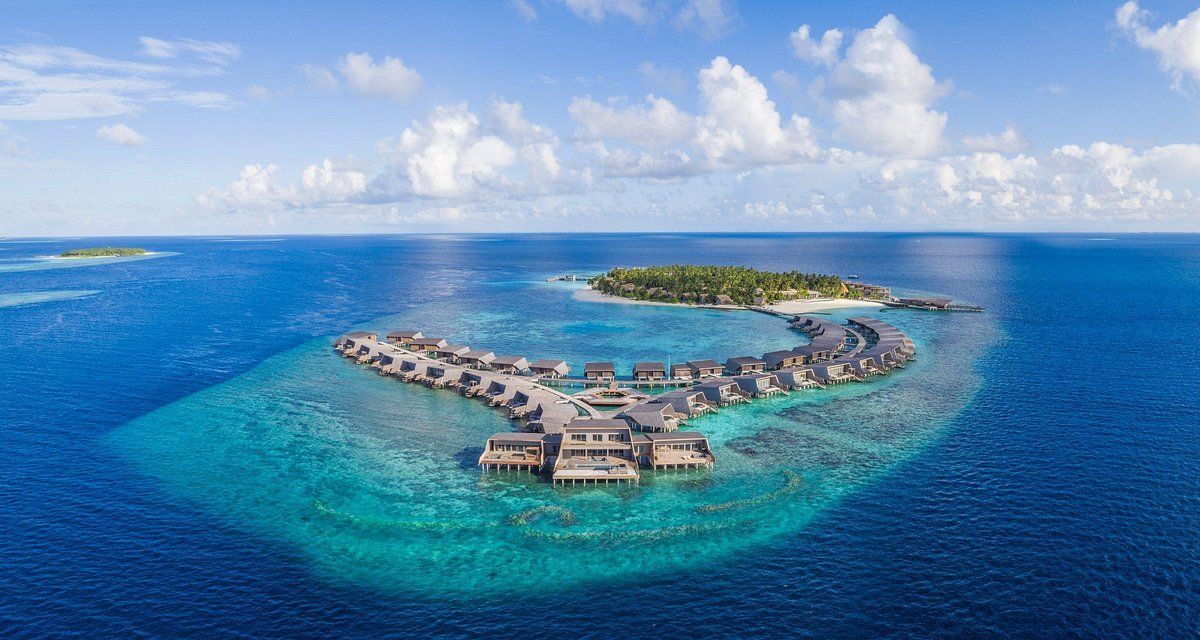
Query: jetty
{"type": "Point", "coordinates": [612, 431]}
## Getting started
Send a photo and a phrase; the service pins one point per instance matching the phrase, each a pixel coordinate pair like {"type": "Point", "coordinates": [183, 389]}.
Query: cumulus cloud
{"type": "Point", "coordinates": [1177, 44]}
{"type": "Point", "coordinates": [655, 123]}
{"type": "Point", "coordinates": [823, 51]}
{"type": "Point", "coordinates": [451, 154]}
{"type": "Point", "coordinates": [1008, 141]}
{"type": "Point", "coordinates": [121, 134]}
{"type": "Point", "coordinates": [883, 94]}
{"type": "Point", "coordinates": [738, 126]}
{"type": "Point", "coordinates": [389, 78]}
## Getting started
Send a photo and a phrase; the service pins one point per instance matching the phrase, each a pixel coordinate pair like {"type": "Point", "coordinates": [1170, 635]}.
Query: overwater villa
{"type": "Point", "coordinates": [759, 385]}
{"type": "Point", "coordinates": [427, 344]}
{"type": "Point", "coordinates": [705, 368]}
{"type": "Point", "coordinates": [680, 371]}
{"type": "Point", "coordinates": [547, 368]}
{"type": "Point", "coordinates": [675, 450]}
{"type": "Point", "coordinates": [451, 352]}
{"type": "Point", "coordinates": [649, 371]}
{"type": "Point", "coordinates": [509, 364]}
{"type": "Point", "coordinates": [477, 359]}
{"type": "Point", "coordinates": [608, 434]}
{"type": "Point", "coordinates": [744, 364]}
{"type": "Point", "coordinates": [404, 337]}
{"type": "Point", "coordinates": [596, 451]}
{"type": "Point", "coordinates": [599, 371]}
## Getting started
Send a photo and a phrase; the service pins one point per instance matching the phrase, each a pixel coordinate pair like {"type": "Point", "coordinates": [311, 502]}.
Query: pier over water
{"type": "Point", "coordinates": [612, 431]}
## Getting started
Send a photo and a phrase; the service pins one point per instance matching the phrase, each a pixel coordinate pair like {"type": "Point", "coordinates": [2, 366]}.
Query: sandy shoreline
{"type": "Point", "coordinates": [793, 307]}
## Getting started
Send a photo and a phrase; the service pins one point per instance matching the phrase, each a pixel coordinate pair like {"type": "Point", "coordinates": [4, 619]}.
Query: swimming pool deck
{"type": "Point", "coordinates": [639, 430]}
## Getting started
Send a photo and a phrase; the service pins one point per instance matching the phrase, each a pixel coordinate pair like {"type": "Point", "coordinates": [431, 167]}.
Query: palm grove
{"type": "Point", "coordinates": [717, 284]}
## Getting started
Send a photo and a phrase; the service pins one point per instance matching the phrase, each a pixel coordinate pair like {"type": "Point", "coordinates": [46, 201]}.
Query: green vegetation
{"type": "Point", "coordinates": [103, 252]}
{"type": "Point", "coordinates": [717, 285]}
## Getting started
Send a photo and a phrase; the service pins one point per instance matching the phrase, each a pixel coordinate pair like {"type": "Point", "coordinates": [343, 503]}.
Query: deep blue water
{"type": "Point", "coordinates": [1062, 499]}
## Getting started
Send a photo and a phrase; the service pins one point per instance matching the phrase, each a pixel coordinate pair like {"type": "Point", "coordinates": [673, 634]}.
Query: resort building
{"type": "Point", "coordinates": [549, 368]}
{"type": "Point", "coordinates": [477, 359]}
{"type": "Point", "coordinates": [596, 451]}
{"type": "Point", "coordinates": [680, 371]}
{"type": "Point", "coordinates": [513, 451]}
{"type": "Point", "coordinates": [744, 364]}
{"type": "Point", "coordinates": [705, 368]}
{"type": "Point", "coordinates": [427, 344]}
{"type": "Point", "coordinates": [676, 450]}
{"type": "Point", "coordinates": [758, 385]}
{"type": "Point", "coordinates": [927, 303]}
{"type": "Point", "coordinates": [649, 371]}
{"type": "Point", "coordinates": [870, 291]}
{"type": "Point", "coordinates": [599, 371]}
{"type": "Point", "coordinates": [687, 403]}
{"type": "Point", "coordinates": [404, 338]}
{"type": "Point", "coordinates": [796, 379]}
{"type": "Point", "coordinates": [721, 392]}
{"type": "Point", "coordinates": [451, 352]}
{"type": "Point", "coordinates": [653, 416]}
{"type": "Point", "coordinates": [509, 364]}
{"type": "Point", "coordinates": [782, 359]}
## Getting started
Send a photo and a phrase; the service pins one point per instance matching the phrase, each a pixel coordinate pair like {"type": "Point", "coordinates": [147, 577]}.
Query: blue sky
{"type": "Point", "coordinates": [584, 115]}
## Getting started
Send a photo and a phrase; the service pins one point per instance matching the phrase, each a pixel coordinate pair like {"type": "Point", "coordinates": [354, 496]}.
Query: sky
{"type": "Point", "coordinates": [130, 118]}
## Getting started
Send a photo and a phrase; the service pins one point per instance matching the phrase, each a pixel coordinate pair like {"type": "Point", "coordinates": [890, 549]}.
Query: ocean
{"type": "Point", "coordinates": [183, 455]}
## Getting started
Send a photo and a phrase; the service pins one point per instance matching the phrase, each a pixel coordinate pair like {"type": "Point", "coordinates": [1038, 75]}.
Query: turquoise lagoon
{"type": "Point", "coordinates": [374, 481]}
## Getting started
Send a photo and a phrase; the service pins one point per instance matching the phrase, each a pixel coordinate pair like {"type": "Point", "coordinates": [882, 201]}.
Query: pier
{"type": "Point", "coordinates": [612, 430]}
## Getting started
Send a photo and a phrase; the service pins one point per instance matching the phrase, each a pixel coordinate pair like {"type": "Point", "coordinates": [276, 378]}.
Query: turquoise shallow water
{"type": "Point", "coordinates": [180, 455]}
{"type": "Point", "coordinates": [375, 482]}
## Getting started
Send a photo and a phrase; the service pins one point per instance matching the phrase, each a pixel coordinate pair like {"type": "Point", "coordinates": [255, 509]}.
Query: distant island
{"type": "Point", "coordinates": [103, 252]}
{"type": "Point", "coordinates": [727, 285]}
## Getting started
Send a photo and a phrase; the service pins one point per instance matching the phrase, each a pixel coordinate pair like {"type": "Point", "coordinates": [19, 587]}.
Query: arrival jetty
{"type": "Point", "coordinates": [611, 432]}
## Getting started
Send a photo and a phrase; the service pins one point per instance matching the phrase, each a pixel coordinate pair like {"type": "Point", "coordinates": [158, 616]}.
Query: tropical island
{"type": "Point", "coordinates": [727, 285]}
{"type": "Point", "coordinates": [103, 252]}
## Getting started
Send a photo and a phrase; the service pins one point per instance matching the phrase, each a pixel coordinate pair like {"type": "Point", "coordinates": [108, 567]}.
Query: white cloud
{"type": "Point", "coordinates": [597, 11]}
{"type": "Point", "coordinates": [662, 79]}
{"type": "Point", "coordinates": [1177, 44]}
{"type": "Point", "coordinates": [1008, 141]}
{"type": "Point", "coordinates": [40, 82]}
{"type": "Point", "coordinates": [524, 9]}
{"type": "Point", "coordinates": [812, 51]}
{"type": "Point", "coordinates": [658, 122]}
{"type": "Point", "coordinates": [884, 93]}
{"type": "Point", "coordinates": [452, 154]}
{"type": "Point", "coordinates": [388, 79]}
{"type": "Point", "coordinates": [319, 77]}
{"type": "Point", "coordinates": [218, 53]}
{"type": "Point", "coordinates": [121, 134]}
{"type": "Point", "coordinates": [711, 18]}
{"type": "Point", "coordinates": [739, 126]}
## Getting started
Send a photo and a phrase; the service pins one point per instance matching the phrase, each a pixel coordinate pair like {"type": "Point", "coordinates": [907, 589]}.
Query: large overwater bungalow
{"type": "Point", "coordinates": [705, 368]}
{"type": "Point", "coordinates": [451, 352]}
{"type": "Point", "coordinates": [596, 451]}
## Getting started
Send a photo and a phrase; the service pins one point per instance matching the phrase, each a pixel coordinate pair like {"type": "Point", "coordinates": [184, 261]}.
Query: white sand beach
{"type": "Point", "coordinates": [800, 307]}
{"type": "Point", "coordinates": [793, 307]}
{"type": "Point", "coordinates": [588, 294]}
